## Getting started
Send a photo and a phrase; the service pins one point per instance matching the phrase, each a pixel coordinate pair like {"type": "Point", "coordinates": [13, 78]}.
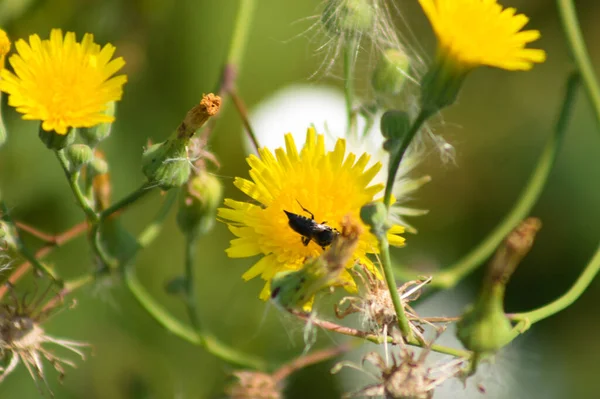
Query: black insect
{"type": "Point", "coordinates": [320, 233]}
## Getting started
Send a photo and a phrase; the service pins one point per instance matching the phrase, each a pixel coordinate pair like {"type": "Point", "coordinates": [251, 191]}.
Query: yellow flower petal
{"type": "Point", "coordinates": [62, 82]}
{"type": "Point", "coordinates": [479, 32]}
{"type": "Point", "coordinates": [331, 185]}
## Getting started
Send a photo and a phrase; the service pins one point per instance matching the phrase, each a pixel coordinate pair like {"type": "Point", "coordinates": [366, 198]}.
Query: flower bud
{"type": "Point", "coordinates": [8, 238]}
{"type": "Point", "coordinates": [484, 328]}
{"type": "Point", "coordinates": [440, 85]}
{"type": "Point", "coordinates": [374, 215]}
{"type": "Point", "coordinates": [198, 203]}
{"type": "Point", "coordinates": [394, 126]}
{"type": "Point", "coordinates": [166, 164]}
{"type": "Point", "coordinates": [390, 72]}
{"type": "Point", "coordinates": [78, 155]}
{"type": "Point", "coordinates": [56, 141]}
{"type": "Point", "coordinates": [98, 166]}
{"type": "Point", "coordinates": [95, 134]}
{"type": "Point", "coordinates": [350, 17]}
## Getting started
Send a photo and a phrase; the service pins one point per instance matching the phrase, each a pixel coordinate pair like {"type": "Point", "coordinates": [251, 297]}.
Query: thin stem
{"type": "Point", "coordinates": [241, 31]}
{"type": "Point", "coordinates": [60, 239]}
{"type": "Point", "coordinates": [128, 200]}
{"type": "Point", "coordinates": [165, 319]}
{"type": "Point", "coordinates": [190, 291]}
{"type": "Point", "coordinates": [386, 263]}
{"type": "Point", "coordinates": [477, 256]}
{"type": "Point", "coordinates": [377, 339]}
{"type": "Point", "coordinates": [349, 66]}
{"type": "Point", "coordinates": [95, 238]}
{"type": "Point", "coordinates": [73, 179]}
{"type": "Point", "coordinates": [568, 15]}
{"type": "Point", "coordinates": [307, 360]}
{"type": "Point", "coordinates": [241, 109]}
{"type": "Point", "coordinates": [47, 238]}
{"type": "Point", "coordinates": [568, 298]}
{"type": "Point", "coordinates": [153, 229]}
{"type": "Point", "coordinates": [396, 158]}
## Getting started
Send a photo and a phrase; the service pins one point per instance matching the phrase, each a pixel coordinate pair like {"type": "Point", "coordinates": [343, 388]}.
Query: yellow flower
{"type": "Point", "coordinates": [62, 82]}
{"type": "Point", "coordinates": [480, 32]}
{"type": "Point", "coordinates": [4, 47]}
{"type": "Point", "coordinates": [332, 185]}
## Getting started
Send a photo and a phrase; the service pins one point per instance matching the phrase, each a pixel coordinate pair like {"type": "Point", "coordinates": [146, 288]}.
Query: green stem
{"type": "Point", "coordinates": [131, 198]}
{"type": "Point", "coordinates": [240, 33]}
{"type": "Point", "coordinates": [386, 263]}
{"type": "Point", "coordinates": [568, 298]}
{"type": "Point", "coordinates": [207, 341]}
{"type": "Point", "coordinates": [190, 291]}
{"type": "Point", "coordinates": [151, 231]}
{"type": "Point", "coordinates": [24, 250]}
{"type": "Point", "coordinates": [568, 16]}
{"type": "Point", "coordinates": [73, 179]}
{"type": "Point", "coordinates": [396, 158]}
{"type": "Point", "coordinates": [95, 236]}
{"type": "Point", "coordinates": [477, 256]}
{"type": "Point", "coordinates": [349, 65]}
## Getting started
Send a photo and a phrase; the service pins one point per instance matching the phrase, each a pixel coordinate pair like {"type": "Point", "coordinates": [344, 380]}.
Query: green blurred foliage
{"type": "Point", "coordinates": [174, 51]}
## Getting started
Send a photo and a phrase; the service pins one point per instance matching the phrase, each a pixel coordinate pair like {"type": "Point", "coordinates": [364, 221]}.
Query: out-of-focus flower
{"type": "Point", "coordinates": [4, 47]}
{"type": "Point", "coordinates": [62, 82]}
{"type": "Point", "coordinates": [317, 188]}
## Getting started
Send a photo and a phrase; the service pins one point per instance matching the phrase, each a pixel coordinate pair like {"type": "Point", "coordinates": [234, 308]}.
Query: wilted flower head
{"type": "Point", "coordinates": [375, 307]}
{"type": "Point", "coordinates": [253, 385]}
{"type": "Point", "coordinates": [407, 377]}
{"type": "Point", "coordinates": [23, 340]}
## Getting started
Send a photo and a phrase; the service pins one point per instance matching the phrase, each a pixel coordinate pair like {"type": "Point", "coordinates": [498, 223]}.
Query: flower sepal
{"type": "Point", "coordinates": [92, 136]}
{"type": "Point", "coordinates": [198, 203]}
{"type": "Point", "coordinates": [441, 84]}
{"type": "Point", "coordinates": [166, 164]}
{"type": "Point", "coordinates": [56, 141]}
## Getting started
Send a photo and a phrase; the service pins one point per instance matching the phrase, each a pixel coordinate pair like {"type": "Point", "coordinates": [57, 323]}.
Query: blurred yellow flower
{"type": "Point", "coordinates": [480, 32]}
{"type": "Point", "coordinates": [4, 47]}
{"type": "Point", "coordinates": [62, 82]}
{"type": "Point", "coordinates": [332, 185]}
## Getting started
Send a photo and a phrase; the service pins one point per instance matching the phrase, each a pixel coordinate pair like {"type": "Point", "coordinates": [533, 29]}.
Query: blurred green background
{"type": "Point", "coordinates": [174, 51]}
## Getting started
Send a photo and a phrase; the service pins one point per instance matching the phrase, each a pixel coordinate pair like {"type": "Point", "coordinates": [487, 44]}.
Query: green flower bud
{"type": "Point", "coordinates": [390, 72]}
{"type": "Point", "coordinates": [167, 163]}
{"type": "Point", "coordinates": [394, 125]}
{"type": "Point", "coordinates": [95, 134]}
{"type": "Point", "coordinates": [351, 17]}
{"type": "Point", "coordinates": [56, 141]}
{"type": "Point", "coordinates": [98, 166]}
{"type": "Point", "coordinates": [198, 204]}
{"type": "Point", "coordinates": [374, 215]}
{"type": "Point", "coordinates": [484, 328]}
{"type": "Point", "coordinates": [78, 155]}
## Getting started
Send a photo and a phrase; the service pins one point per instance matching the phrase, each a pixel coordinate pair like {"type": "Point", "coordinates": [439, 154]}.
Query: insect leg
{"type": "Point", "coordinates": [306, 210]}
{"type": "Point", "coordinates": [305, 241]}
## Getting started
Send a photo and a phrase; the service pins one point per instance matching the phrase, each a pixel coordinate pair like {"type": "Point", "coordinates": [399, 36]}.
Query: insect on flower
{"type": "Point", "coordinates": [309, 229]}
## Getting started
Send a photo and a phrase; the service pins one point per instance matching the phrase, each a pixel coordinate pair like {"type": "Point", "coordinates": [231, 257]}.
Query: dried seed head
{"type": "Point", "coordinates": [407, 377]}
{"type": "Point", "coordinates": [253, 385]}
{"type": "Point", "coordinates": [376, 307]}
{"type": "Point", "coordinates": [22, 339]}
